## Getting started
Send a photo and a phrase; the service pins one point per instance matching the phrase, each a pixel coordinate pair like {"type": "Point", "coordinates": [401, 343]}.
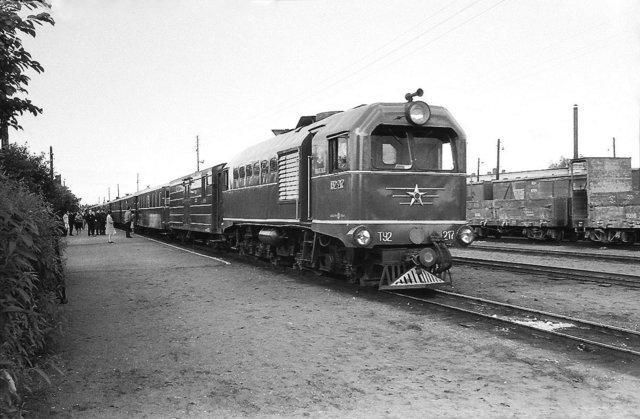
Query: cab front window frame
{"type": "Point", "coordinates": [402, 148]}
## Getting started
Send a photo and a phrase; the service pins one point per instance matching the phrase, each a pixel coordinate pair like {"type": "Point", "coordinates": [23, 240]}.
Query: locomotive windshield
{"type": "Point", "coordinates": [412, 148]}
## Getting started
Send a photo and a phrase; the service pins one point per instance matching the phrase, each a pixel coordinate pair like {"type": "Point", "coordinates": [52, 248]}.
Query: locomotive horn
{"type": "Point", "coordinates": [410, 96]}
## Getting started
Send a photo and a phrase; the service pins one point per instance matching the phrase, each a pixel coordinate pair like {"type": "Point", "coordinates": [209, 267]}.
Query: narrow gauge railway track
{"type": "Point", "coordinates": [551, 252]}
{"type": "Point", "coordinates": [588, 334]}
{"type": "Point", "coordinates": [553, 271]}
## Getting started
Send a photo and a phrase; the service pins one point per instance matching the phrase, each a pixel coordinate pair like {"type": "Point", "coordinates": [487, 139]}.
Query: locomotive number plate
{"type": "Point", "coordinates": [385, 236]}
{"type": "Point", "coordinates": [337, 184]}
{"type": "Point", "coordinates": [448, 234]}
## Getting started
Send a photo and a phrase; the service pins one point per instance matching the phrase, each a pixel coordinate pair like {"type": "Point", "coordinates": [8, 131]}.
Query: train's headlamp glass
{"type": "Point", "coordinates": [465, 235]}
{"type": "Point", "coordinates": [360, 236]}
{"type": "Point", "coordinates": [418, 113]}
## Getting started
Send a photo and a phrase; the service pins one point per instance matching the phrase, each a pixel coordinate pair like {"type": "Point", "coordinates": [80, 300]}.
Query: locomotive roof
{"type": "Point", "coordinates": [365, 117]}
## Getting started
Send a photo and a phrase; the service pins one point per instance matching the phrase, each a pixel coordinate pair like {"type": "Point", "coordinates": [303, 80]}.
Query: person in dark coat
{"type": "Point", "coordinates": [79, 222]}
{"type": "Point", "coordinates": [101, 222]}
{"type": "Point", "coordinates": [72, 221]}
{"type": "Point", "coordinates": [91, 223]}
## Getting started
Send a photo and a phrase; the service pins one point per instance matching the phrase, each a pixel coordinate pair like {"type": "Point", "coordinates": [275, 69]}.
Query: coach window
{"type": "Point", "coordinates": [224, 185]}
{"type": "Point", "coordinates": [236, 178]}
{"type": "Point", "coordinates": [195, 188]}
{"type": "Point", "coordinates": [264, 172]}
{"type": "Point", "coordinates": [241, 177]}
{"type": "Point", "coordinates": [248, 175]}
{"type": "Point", "coordinates": [338, 154]}
{"type": "Point", "coordinates": [255, 180]}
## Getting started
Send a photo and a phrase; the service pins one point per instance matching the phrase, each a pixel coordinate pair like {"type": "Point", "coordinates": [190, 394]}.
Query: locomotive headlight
{"type": "Point", "coordinates": [465, 236]}
{"type": "Point", "coordinates": [418, 113]}
{"type": "Point", "coordinates": [360, 236]}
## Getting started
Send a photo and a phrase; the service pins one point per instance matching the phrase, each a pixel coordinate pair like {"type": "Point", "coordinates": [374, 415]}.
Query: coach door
{"type": "Point", "coordinates": [219, 184]}
{"type": "Point", "coordinates": [186, 210]}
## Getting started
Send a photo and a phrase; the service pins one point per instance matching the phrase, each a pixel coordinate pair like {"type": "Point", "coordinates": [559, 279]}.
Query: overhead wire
{"type": "Point", "coordinates": [549, 64]}
{"type": "Point", "coordinates": [377, 59]}
{"type": "Point", "coordinates": [414, 51]}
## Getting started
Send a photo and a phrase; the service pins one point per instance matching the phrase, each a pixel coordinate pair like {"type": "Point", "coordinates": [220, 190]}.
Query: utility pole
{"type": "Point", "coordinates": [118, 186]}
{"type": "Point", "coordinates": [51, 162]}
{"type": "Point", "coordinates": [198, 153]}
{"type": "Point", "coordinates": [498, 162]}
{"type": "Point", "coordinates": [575, 131]}
{"type": "Point", "coordinates": [614, 146]}
{"type": "Point", "coordinates": [478, 171]}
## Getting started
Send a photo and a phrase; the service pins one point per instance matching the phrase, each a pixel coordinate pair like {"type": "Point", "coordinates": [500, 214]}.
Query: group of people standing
{"type": "Point", "coordinates": [97, 223]}
{"type": "Point", "coordinates": [94, 222]}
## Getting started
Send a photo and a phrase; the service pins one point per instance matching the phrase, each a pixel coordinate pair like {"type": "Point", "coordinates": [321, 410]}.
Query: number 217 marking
{"type": "Point", "coordinates": [447, 234]}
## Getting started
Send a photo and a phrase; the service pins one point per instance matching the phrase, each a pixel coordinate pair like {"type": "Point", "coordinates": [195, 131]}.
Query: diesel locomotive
{"type": "Point", "coordinates": [595, 198]}
{"type": "Point", "coordinates": [375, 193]}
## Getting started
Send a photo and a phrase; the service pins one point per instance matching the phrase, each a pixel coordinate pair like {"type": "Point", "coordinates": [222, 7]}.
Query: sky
{"type": "Point", "coordinates": [129, 85]}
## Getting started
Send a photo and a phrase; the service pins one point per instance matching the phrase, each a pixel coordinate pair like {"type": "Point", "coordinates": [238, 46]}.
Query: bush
{"type": "Point", "coordinates": [31, 279]}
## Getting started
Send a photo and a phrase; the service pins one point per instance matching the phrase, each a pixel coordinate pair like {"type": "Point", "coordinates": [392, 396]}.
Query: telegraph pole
{"type": "Point", "coordinates": [51, 162]}
{"type": "Point", "coordinates": [614, 146]}
{"type": "Point", "coordinates": [198, 153]}
{"type": "Point", "coordinates": [498, 162]}
{"type": "Point", "coordinates": [478, 171]}
{"type": "Point", "coordinates": [575, 131]}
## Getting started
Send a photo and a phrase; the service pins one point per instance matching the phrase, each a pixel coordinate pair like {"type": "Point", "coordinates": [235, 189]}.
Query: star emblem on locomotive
{"type": "Point", "coordinates": [417, 194]}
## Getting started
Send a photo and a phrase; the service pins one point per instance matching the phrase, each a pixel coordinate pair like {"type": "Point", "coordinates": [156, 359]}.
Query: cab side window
{"type": "Point", "coordinates": [338, 158]}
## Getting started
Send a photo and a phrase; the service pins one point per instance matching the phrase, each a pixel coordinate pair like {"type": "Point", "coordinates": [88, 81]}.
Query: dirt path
{"type": "Point", "coordinates": [154, 332]}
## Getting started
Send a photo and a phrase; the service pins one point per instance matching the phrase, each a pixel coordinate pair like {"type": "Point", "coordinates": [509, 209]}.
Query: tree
{"type": "Point", "coordinates": [560, 164]}
{"type": "Point", "coordinates": [18, 163]}
{"type": "Point", "coordinates": [15, 61]}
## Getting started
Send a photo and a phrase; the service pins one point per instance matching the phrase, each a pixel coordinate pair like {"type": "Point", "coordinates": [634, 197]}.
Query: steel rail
{"type": "Point", "coordinates": [565, 273]}
{"type": "Point", "coordinates": [553, 253]}
{"type": "Point", "coordinates": [583, 327]}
